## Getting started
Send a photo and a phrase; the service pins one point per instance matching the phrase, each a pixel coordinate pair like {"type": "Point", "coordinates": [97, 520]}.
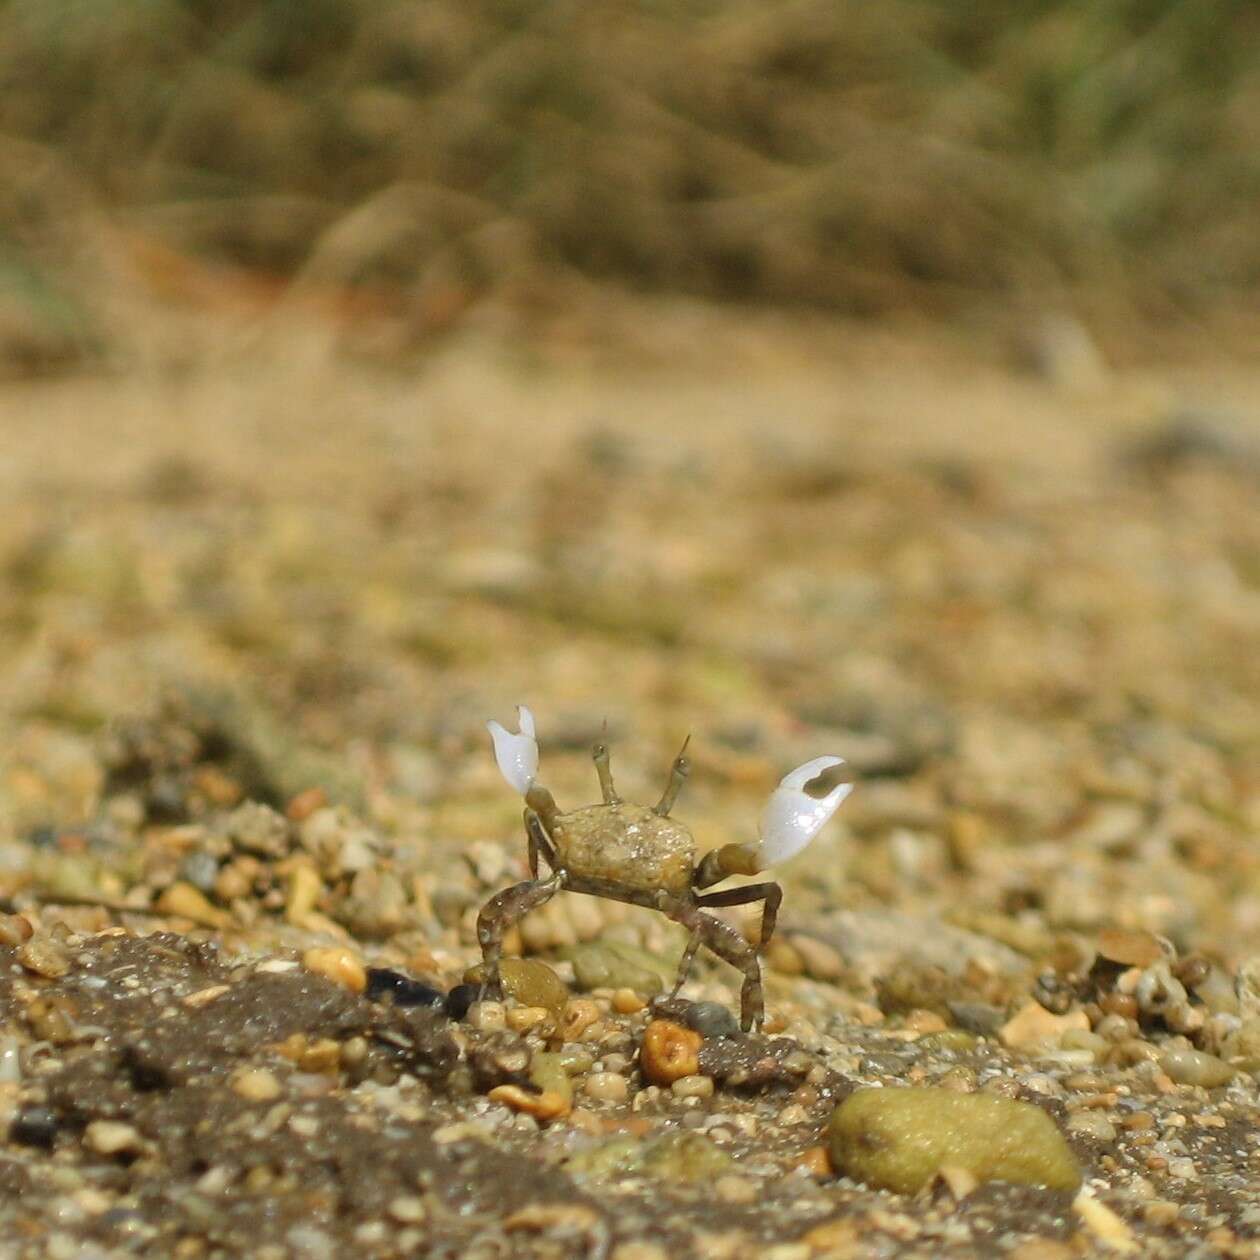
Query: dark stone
{"type": "Point", "coordinates": [402, 990]}
{"type": "Point", "coordinates": [34, 1126]}
{"type": "Point", "coordinates": [460, 998]}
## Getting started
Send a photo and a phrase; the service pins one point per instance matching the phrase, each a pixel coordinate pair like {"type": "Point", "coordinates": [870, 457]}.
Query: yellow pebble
{"type": "Point", "coordinates": [669, 1052]}
{"type": "Point", "coordinates": [545, 1106]}
{"type": "Point", "coordinates": [627, 1002]}
{"type": "Point", "coordinates": [338, 965]}
{"type": "Point", "coordinates": [579, 1015]}
{"type": "Point", "coordinates": [257, 1085]}
{"type": "Point", "coordinates": [183, 901]}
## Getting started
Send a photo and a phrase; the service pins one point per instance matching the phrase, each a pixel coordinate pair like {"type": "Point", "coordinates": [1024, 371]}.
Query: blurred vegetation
{"type": "Point", "coordinates": [833, 153]}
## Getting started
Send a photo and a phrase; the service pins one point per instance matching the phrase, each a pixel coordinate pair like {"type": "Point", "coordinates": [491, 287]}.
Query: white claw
{"type": "Point", "coordinates": [517, 755]}
{"type": "Point", "coordinates": [792, 818]}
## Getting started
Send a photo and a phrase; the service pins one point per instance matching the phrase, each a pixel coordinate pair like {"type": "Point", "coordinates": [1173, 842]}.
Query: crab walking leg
{"type": "Point", "coordinates": [684, 963]}
{"type": "Point", "coordinates": [539, 842]}
{"type": "Point", "coordinates": [770, 894]}
{"type": "Point", "coordinates": [501, 913]}
{"type": "Point", "coordinates": [724, 941]}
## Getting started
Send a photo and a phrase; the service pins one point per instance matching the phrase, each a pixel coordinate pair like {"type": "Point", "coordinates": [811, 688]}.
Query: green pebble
{"type": "Point", "coordinates": [899, 1139]}
{"type": "Point", "coordinates": [687, 1158]}
{"type": "Point", "coordinates": [952, 1039]}
{"type": "Point", "coordinates": [606, 964]}
{"type": "Point", "coordinates": [547, 1071]}
{"type": "Point", "coordinates": [527, 981]}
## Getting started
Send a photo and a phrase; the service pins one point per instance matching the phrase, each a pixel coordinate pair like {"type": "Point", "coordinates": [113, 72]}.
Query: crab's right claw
{"type": "Point", "coordinates": [517, 755]}
{"type": "Point", "coordinates": [792, 818]}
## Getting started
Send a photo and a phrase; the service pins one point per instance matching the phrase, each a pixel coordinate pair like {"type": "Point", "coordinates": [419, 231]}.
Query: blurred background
{"type": "Point", "coordinates": [810, 375]}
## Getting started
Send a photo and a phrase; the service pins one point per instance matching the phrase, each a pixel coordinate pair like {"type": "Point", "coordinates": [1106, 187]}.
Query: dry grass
{"type": "Point", "coordinates": [419, 156]}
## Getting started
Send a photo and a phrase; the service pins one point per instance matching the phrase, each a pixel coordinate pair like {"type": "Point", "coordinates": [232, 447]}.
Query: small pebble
{"type": "Point", "coordinates": [183, 901]}
{"type": "Point", "coordinates": [711, 1020]}
{"type": "Point", "coordinates": [337, 964]}
{"type": "Point", "coordinates": [1092, 1124]}
{"type": "Point", "coordinates": [627, 1002]}
{"type": "Point", "coordinates": [1194, 1067]}
{"type": "Point", "coordinates": [44, 957]}
{"type": "Point", "coordinates": [606, 1087]}
{"type": "Point", "coordinates": [524, 1019]}
{"type": "Point", "coordinates": [111, 1137]}
{"type": "Point", "coordinates": [547, 1105]}
{"type": "Point", "coordinates": [34, 1126]}
{"type": "Point", "coordinates": [257, 1085]}
{"type": "Point", "coordinates": [487, 1017]}
{"type": "Point", "coordinates": [15, 930]}
{"type": "Point", "coordinates": [460, 999]}
{"type": "Point", "coordinates": [579, 1015]}
{"type": "Point", "coordinates": [733, 1189]}
{"type": "Point", "coordinates": [693, 1087]}
{"type": "Point", "coordinates": [409, 1209]}
{"type": "Point", "coordinates": [669, 1052]}
{"type": "Point", "coordinates": [402, 990]}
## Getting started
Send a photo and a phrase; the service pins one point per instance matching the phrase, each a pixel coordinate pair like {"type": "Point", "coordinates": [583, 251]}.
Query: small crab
{"type": "Point", "coordinates": [643, 856]}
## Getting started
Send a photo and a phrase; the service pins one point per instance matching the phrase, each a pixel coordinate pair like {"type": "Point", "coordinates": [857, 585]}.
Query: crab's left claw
{"type": "Point", "coordinates": [792, 818]}
{"type": "Point", "coordinates": [517, 755]}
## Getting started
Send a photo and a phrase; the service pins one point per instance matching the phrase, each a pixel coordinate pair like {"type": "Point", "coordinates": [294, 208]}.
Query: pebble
{"type": "Point", "coordinates": [547, 1105]}
{"type": "Point", "coordinates": [460, 999]}
{"type": "Point", "coordinates": [1092, 1124]}
{"type": "Point", "coordinates": [547, 1071]}
{"type": "Point", "coordinates": [44, 957]}
{"type": "Point", "coordinates": [34, 1126]}
{"type": "Point", "coordinates": [1032, 1025]}
{"type": "Point", "coordinates": [305, 890]}
{"type": "Point", "coordinates": [1194, 1067]}
{"type": "Point", "coordinates": [735, 1189]}
{"type": "Point", "coordinates": [111, 1137]}
{"type": "Point", "coordinates": [627, 1002]}
{"type": "Point", "coordinates": [257, 1085]}
{"type": "Point", "coordinates": [527, 982]}
{"type": "Point", "coordinates": [182, 901]}
{"type": "Point", "coordinates": [525, 1019]}
{"type": "Point", "coordinates": [606, 1087]}
{"type": "Point", "coordinates": [337, 964]}
{"type": "Point", "coordinates": [15, 929]}
{"type": "Point", "coordinates": [487, 1017]}
{"type": "Point", "coordinates": [898, 1139]}
{"type": "Point", "coordinates": [401, 990]}
{"type": "Point", "coordinates": [579, 1015]}
{"type": "Point", "coordinates": [693, 1087]}
{"type": "Point", "coordinates": [711, 1020]}
{"type": "Point", "coordinates": [609, 964]}
{"type": "Point", "coordinates": [1130, 949]}
{"type": "Point", "coordinates": [10, 1061]}
{"type": "Point", "coordinates": [669, 1052]}
{"type": "Point", "coordinates": [409, 1209]}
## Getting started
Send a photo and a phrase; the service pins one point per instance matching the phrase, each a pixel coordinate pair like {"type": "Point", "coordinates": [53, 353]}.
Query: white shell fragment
{"type": "Point", "coordinates": [517, 755]}
{"type": "Point", "coordinates": [792, 818]}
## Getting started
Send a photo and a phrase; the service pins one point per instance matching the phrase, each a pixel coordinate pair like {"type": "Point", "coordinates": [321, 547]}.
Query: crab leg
{"type": "Point", "coordinates": [724, 941]}
{"type": "Point", "coordinates": [768, 893]}
{"type": "Point", "coordinates": [539, 842]}
{"type": "Point", "coordinates": [504, 911]}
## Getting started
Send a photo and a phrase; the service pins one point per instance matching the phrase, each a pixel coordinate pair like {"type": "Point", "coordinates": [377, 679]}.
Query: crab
{"type": "Point", "coordinates": [639, 854]}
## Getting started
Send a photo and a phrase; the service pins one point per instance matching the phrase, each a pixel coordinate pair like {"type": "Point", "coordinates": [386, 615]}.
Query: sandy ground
{"type": "Point", "coordinates": [1021, 600]}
